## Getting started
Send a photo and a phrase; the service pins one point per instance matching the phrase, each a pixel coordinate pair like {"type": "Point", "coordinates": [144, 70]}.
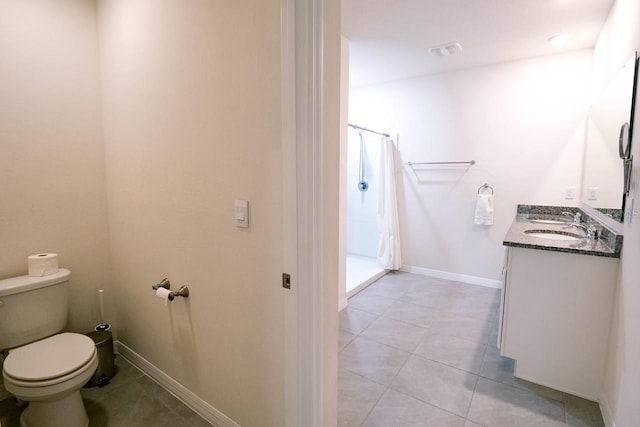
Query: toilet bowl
{"type": "Point", "coordinates": [49, 374]}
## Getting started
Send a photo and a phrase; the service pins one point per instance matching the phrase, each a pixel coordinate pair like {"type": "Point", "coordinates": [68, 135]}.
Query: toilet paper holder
{"type": "Point", "coordinates": [165, 283]}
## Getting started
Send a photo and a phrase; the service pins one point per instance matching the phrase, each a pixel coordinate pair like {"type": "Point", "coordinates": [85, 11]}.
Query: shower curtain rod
{"type": "Point", "coordinates": [368, 130]}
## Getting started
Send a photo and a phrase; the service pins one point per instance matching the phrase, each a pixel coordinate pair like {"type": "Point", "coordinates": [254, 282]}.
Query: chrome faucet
{"type": "Point", "coordinates": [577, 218]}
{"type": "Point", "coordinates": [586, 228]}
{"type": "Point", "coordinates": [591, 230]}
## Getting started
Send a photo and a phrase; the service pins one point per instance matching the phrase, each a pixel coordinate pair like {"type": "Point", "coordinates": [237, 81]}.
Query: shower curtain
{"type": "Point", "coordinates": [389, 256]}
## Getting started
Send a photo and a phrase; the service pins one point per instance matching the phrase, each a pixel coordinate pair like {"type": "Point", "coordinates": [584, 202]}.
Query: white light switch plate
{"type": "Point", "coordinates": [241, 213]}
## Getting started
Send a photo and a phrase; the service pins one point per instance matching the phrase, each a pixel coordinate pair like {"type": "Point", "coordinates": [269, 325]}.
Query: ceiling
{"type": "Point", "coordinates": [389, 39]}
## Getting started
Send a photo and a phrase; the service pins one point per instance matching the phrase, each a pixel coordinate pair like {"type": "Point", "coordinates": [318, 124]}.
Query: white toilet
{"type": "Point", "coordinates": [43, 366]}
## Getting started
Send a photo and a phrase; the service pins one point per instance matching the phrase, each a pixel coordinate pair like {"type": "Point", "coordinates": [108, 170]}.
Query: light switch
{"type": "Point", "coordinates": [240, 214]}
{"type": "Point", "coordinates": [592, 193]}
{"type": "Point", "coordinates": [241, 210]}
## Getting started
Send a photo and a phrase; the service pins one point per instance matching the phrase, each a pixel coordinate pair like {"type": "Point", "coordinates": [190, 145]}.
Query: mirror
{"type": "Point", "coordinates": [607, 152]}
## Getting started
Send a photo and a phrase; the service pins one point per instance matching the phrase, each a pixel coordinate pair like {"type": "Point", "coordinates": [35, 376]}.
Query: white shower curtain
{"type": "Point", "coordinates": [389, 256]}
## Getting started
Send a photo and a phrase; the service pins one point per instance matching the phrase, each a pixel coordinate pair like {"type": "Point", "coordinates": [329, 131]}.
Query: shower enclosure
{"type": "Point", "coordinates": [363, 153]}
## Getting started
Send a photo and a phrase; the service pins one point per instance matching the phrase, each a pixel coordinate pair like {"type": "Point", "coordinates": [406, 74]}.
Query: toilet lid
{"type": "Point", "coordinates": [49, 358]}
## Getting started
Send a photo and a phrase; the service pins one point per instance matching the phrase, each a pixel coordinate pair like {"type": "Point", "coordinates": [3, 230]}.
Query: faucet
{"type": "Point", "coordinates": [577, 218]}
{"type": "Point", "coordinates": [591, 230]}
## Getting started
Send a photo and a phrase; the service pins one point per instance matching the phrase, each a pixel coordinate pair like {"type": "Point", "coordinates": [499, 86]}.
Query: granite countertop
{"type": "Point", "coordinates": [608, 245]}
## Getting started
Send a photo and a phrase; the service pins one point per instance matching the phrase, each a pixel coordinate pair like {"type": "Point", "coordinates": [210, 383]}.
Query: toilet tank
{"type": "Point", "coordinates": [32, 308]}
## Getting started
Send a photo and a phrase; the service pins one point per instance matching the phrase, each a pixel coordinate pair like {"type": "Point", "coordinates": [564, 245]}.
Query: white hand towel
{"type": "Point", "coordinates": [484, 210]}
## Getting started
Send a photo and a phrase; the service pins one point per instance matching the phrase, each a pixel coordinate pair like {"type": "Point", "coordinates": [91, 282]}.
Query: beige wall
{"type": "Point", "coordinates": [52, 173]}
{"type": "Point", "coordinates": [619, 39]}
{"type": "Point", "coordinates": [191, 103]}
{"type": "Point", "coordinates": [192, 122]}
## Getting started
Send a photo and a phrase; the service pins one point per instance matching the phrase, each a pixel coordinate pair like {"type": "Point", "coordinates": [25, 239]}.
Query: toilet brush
{"type": "Point", "coordinates": [102, 326]}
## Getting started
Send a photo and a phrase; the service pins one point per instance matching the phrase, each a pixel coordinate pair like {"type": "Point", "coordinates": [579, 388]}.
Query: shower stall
{"type": "Point", "coordinates": [363, 181]}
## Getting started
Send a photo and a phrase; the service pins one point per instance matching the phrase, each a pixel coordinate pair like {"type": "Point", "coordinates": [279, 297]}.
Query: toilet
{"type": "Point", "coordinates": [43, 366]}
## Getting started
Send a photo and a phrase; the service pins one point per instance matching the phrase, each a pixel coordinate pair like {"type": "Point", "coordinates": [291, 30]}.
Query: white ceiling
{"type": "Point", "coordinates": [389, 38]}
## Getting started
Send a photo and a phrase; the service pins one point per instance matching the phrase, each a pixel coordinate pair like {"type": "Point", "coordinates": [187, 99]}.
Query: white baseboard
{"type": "Point", "coordinates": [607, 415]}
{"type": "Point", "coordinates": [190, 399]}
{"type": "Point", "coordinates": [473, 280]}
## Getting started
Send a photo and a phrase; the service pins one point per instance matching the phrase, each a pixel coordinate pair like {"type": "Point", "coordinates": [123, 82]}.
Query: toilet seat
{"type": "Point", "coordinates": [54, 402]}
{"type": "Point", "coordinates": [50, 361]}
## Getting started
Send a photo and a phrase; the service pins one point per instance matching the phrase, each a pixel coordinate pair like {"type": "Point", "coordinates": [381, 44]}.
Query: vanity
{"type": "Point", "coordinates": [557, 299]}
{"type": "Point", "coordinates": [561, 264]}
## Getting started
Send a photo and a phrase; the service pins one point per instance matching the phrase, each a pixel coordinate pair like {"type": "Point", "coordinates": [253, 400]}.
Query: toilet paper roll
{"type": "Point", "coordinates": [163, 294]}
{"type": "Point", "coordinates": [42, 264]}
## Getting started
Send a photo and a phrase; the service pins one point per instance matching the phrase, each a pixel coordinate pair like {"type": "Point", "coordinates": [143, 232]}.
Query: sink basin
{"type": "Point", "coordinates": [549, 221]}
{"type": "Point", "coordinates": [553, 235]}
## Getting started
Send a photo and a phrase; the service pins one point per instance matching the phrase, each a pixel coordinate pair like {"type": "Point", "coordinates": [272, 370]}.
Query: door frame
{"type": "Point", "coordinates": [301, 73]}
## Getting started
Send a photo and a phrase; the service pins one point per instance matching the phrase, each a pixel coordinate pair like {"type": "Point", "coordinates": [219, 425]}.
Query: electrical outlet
{"type": "Point", "coordinates": [569, 193]}
{"type": "Point", "coordinates": [592, 193]}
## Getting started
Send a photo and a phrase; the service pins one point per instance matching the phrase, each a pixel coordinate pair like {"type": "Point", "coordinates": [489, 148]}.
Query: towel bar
{"type": "Point", "coordinates": [470, 162]}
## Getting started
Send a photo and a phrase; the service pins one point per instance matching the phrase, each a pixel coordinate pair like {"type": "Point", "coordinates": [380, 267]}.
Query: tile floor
{"type": "Point", "coordinates": [132, 399]}
{"type": "Point", "coordinates": [416, 351]}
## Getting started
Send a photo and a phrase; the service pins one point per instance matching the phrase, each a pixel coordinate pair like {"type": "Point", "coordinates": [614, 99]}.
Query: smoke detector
{"type": "Point", "coordinates": [445, 49]}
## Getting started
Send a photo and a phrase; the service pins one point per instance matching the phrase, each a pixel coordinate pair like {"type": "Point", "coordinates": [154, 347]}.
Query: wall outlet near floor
{"type": "Point", "coordinates": [569, 192]}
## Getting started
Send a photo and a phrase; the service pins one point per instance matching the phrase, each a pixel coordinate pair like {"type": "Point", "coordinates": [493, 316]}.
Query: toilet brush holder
{"type": "Point", "coordinates": [102, 326]}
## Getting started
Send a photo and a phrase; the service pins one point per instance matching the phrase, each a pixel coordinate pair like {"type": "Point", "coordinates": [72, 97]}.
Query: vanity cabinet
{"type": "Point", "coordinates": [555, 317]}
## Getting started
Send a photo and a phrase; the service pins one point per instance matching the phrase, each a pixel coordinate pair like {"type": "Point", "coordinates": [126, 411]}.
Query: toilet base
{"type": "Point", "coordinates": [67, 411]}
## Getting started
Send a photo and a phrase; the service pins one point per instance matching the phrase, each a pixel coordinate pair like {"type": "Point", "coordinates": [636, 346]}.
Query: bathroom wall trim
{"type": "Point", "coordinates": [438, 274]}
{"type": "Point", "coordinates": [198, 405]}
{"type": "Point", "coordinates": [605, 409]}
{"type": "Point", "coordinates": [289, 202]}
{"type": "Point", "coordinates": [362, 286]}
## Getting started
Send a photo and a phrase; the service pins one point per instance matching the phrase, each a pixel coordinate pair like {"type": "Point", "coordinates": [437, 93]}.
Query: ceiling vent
{"type": "Point", "coordinates": [445, 49]}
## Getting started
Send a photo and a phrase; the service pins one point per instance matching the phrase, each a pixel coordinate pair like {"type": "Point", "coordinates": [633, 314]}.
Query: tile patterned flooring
{"type": "Point", "coordinates": [414, 351]}
{"type": "Point", "coordinates": [418, 351]}
{"type": "Point", "coordinates": [132, 399]}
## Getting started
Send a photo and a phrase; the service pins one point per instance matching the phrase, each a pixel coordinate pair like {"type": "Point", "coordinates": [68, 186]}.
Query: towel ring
{"type": "Point", "coordinates": [485, 187]}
